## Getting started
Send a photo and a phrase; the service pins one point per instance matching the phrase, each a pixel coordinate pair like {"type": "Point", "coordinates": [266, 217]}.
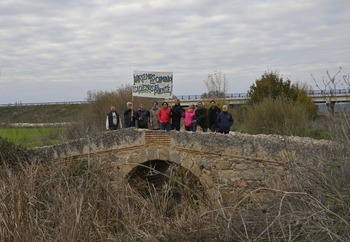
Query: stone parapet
{"type": "Point", "coordinates": [228, 164]}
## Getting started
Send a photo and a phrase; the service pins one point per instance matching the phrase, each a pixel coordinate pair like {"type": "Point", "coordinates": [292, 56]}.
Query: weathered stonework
{"type": "Point", "coordinates": [226, 165]}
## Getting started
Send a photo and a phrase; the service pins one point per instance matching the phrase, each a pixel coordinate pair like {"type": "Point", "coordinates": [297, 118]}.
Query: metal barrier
{"type": "Point", "coordinates": [238, 96]}
{"type": "Point", "coordinates": [43, 103]}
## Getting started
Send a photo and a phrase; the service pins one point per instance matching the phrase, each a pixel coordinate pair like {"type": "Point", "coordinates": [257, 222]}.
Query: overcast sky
{"type": "Point", "coordinates": [58, 50]}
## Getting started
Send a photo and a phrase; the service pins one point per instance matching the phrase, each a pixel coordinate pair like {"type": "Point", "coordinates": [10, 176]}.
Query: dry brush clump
{"type": "Point", "coordinates": [87, 200]}
{"type": "Point", "coordinates": [315, 204]}
{"type": "Point", "coordinates": [92, 118]}
{"type": "Point", "coordinates": [76, 200]}
{"type": "Point", "coordinates": [11, 154]}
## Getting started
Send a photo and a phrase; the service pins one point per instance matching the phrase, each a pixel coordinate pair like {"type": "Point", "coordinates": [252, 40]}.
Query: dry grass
{"type": "Point", "coordinates": [92, 119]}
{"type": "Point", "coordinates": [88, 200]}
{"type": "Point", "coordinates": [81, 202]}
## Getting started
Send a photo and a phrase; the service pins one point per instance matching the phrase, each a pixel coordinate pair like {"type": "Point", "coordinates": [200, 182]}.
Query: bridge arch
{"type": "Point", "coordinates": [188, 159]}
{"type": "Point", "coordinates": [164, 164]}
{"type": "Point", "coordinates": [170, 179]}
{"type": "Point", "coordinates": [225, 165]}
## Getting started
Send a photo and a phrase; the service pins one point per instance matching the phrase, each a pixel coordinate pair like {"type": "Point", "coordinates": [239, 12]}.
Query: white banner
{"type": "Point", "coordinates": [152, 84]}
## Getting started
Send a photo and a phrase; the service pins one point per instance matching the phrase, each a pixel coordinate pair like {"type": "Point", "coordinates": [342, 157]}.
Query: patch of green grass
{"type": "Point", "coordinates": [31, 137]}
{"type": "Point", "coordinates": [40, 113]}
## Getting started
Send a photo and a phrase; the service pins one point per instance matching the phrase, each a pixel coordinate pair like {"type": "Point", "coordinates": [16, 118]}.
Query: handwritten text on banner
{"type": "Point", "coordinates": [152, 84]}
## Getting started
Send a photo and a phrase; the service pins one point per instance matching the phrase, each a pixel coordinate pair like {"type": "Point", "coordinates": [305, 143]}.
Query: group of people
{"type": "Point", "coordinates": [169, 118]}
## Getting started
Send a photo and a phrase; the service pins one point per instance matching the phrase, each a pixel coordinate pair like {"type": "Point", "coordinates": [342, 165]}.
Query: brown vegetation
{"type": "Point", "coordinates": [93, 117]}
{"type": "Point", "coordinates": [89, 200]}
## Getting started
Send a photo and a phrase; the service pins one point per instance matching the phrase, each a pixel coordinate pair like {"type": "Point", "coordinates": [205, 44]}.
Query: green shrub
{"type": "Point", "coordinates": [279, 116]}
{"type": "Point", "coordinates": [272, 86]}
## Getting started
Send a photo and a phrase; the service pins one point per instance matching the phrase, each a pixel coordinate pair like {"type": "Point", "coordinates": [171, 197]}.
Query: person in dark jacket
{"type": "Point", "coordinates": [142, 116]}
{"type": "Point", "coordinates": [213, 113]}
{"type": "Point", "coordinates": [224, 121]}
{"type": "Point", "coordinates": [176, 114]}
{"type": "Point", "coordinates": [129, 116]}
{"type": "Point", "coordinates": [112, 120]}
{"type": "Point", "coordinates": [200, 118]}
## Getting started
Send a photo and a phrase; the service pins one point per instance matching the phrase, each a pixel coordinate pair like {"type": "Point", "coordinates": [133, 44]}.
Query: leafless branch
{"type": "Point", "coordinates": [346, 79]}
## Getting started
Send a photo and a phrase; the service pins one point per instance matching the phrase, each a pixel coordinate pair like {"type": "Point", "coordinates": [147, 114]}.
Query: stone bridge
{"type": "Point", "coordinates": [224, 165]}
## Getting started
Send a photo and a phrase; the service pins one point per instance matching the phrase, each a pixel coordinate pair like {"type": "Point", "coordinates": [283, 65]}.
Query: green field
{"type": "Point", "coordinates": [31, 137]}
{"type": "Point", "coordinates": [40, 113]}
{"type": "Point", "coordinates": [36, 136]}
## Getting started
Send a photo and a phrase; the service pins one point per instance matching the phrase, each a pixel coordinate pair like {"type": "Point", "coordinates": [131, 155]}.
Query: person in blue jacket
{"type": "Point", "coordinates": [224, 121]}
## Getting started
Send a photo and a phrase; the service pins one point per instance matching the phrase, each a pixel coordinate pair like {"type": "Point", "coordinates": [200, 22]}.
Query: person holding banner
{"type": "Point", "coordinates": [177, 113]}
{"type": "Point", "coordinates": [142, 117]}
{"type": "Point", "coordinates": [154, 116]}
{"type": "Point", "coordinates": [129, 116]}
{"type": "Point", "coordinates": [164, 117]}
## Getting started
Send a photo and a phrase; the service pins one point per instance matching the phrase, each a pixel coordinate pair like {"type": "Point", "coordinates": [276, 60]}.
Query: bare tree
{"type": "Point", "coordinates": [346, 79]}
{"type": "Point", "coordinates": [330, 86]}
{"type": "Point", "coordinates": [216, 84]}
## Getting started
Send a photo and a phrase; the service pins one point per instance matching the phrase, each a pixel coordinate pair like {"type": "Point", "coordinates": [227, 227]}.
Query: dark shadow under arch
{"type": "Point", "coordinates": [152, 171]}
{"type": "Point", "coordinates": [168, 178]}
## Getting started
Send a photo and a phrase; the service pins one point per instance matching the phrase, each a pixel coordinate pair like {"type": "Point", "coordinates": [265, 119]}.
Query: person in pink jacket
{"type": "Point", "coordinates": [188, 118]}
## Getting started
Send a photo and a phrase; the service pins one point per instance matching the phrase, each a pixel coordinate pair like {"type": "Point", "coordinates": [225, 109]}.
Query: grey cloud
{"type": "Point", "coordinates": [75, 46]}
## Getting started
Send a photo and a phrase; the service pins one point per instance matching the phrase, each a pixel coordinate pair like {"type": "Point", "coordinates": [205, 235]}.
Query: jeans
{"type": "Point", "coordinates": [165, 126]}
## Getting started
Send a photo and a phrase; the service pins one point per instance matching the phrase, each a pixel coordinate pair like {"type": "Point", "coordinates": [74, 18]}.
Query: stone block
{"type": "Point", "coordinates": [253, 174]}
{"type": "Point", "coordinates": [152, 153]}
{"type": "Point", "coordinates": [222, 163]}
{"type": "Point", "coordinates": [125, 169]}
{"type": "Point", "coordinates": [142, 153]}
{"type": "Point", "coordinates": [240, 166]}
{"type": "Point", "coordinates": [187, 162]}
{"type": "Point", "coordinates": [175, 156]}
{"type": "Point", "coordinates": [163, 154]}
{"type": "Point", "coordinates": [230, 174]}
{"type": "Point", "coordinates": [206, 180]}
